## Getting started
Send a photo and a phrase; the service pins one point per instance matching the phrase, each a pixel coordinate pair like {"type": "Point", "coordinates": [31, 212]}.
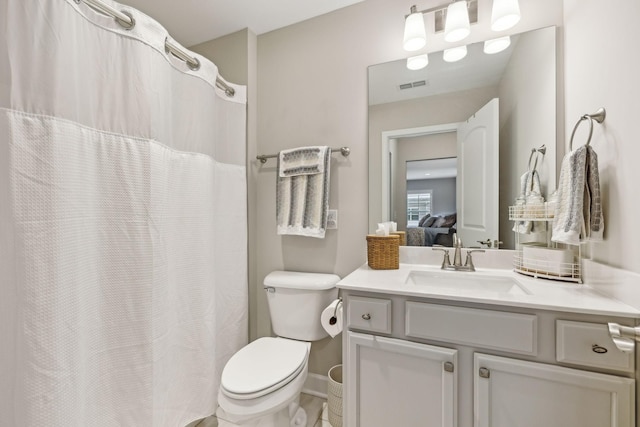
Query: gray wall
{"type": "Point", "coordinates": [601, 70]}
{"type": "Point", "coordinates": [443, 196]}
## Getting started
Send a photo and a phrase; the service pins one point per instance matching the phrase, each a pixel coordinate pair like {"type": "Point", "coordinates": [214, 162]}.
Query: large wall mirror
{"type": "Point", "coordinates": [420, 122]}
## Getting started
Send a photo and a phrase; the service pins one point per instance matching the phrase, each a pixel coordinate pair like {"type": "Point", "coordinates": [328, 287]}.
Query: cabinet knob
{"type": "Point", "coordinates": [366, 316]}
{"type": "Point", "coordinates": [484, 373]}
{"type": "Point", "coordinates": [448, 367]}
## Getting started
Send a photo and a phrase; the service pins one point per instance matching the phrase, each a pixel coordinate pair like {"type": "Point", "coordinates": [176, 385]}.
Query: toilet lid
{"type": "Point", "coordinates": [262, 366]}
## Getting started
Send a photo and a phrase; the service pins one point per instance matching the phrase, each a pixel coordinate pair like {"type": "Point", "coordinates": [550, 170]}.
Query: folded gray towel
{"type": "Point", "coordinates": [302, 191]}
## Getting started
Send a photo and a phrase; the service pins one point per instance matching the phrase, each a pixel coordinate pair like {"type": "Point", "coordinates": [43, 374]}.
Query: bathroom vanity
{"type": "Point", "coordinates": [491, 348]}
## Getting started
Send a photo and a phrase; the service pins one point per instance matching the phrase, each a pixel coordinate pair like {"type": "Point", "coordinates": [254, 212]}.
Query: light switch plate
{"type": "Point", "coordinates": [332, 219]}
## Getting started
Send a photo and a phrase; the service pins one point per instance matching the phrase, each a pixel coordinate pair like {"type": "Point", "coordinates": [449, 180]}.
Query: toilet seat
{"type": "Point", "coordinates": [263, 366]}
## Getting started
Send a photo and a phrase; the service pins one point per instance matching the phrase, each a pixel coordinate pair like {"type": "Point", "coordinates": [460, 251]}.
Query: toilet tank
{"type": "Point", "coordinates": [296, 301]}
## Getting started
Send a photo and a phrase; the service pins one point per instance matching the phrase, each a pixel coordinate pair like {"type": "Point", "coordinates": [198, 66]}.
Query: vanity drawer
{"type": "Point", "coordinates": [513, 332]}
{"type": "Point", "coordinates": [589, 344]}
{"type": "Point", "coordinates": [369, 314]}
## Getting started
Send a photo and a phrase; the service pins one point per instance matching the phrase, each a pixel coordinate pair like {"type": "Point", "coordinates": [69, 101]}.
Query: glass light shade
{"type": "Point", "coordinates": [415, 36]}
{"type": "Point", "coordinates": [456, 26]}
{"type": "Point", "coordinates": [454, 54]}
{"type": "Point", "coordinates": [497, 45]}
{"type": "Point", "coordinates": [417, 62]}
{"type": "Point", "coordinates": [504, 14]}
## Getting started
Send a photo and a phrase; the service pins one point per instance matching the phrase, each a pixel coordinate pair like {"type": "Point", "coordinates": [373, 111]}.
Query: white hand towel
{"type": "Point", "coordinates": [530, 190]}
{"type": "Point", "coordinates": [333, 310]}
{"type": "Point", "coordinates": [302, 191]}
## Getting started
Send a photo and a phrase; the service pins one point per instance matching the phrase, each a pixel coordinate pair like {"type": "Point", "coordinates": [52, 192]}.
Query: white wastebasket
{"type": "Point", "coordinates": [334, 396]}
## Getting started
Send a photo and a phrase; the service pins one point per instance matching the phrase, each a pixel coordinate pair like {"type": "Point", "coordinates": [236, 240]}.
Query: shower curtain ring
{"type": "Point", "coordinates": [124, 24]}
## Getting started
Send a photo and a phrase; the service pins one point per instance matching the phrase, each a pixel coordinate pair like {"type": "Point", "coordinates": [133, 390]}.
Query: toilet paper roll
{"type": "Point", "coordinates": [333, 310]}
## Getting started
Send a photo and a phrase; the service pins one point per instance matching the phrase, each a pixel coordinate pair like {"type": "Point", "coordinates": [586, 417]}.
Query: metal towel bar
{"type": "Point", "coordinates": [345, 151]}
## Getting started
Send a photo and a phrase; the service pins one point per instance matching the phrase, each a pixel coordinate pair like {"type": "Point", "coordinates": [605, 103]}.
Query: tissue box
{"type": "Point", "coordinates": [552, 261]}
{"type": "Point", "coordinates": [383, 252]}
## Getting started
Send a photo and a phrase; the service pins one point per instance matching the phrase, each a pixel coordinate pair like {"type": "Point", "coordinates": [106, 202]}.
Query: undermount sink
{"type": "Point", "coordinates": [466, 281]}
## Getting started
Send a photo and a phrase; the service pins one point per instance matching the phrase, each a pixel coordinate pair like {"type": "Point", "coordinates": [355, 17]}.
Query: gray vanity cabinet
{"type": "Point", "coordinates": [400, 383]}
{"type": "Point", "coordinates": [510, 392]}
{"type": "Point", "coordinates": [415, 362]}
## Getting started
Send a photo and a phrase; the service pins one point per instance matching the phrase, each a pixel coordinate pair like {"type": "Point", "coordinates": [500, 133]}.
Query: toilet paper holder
{"type": "Point", "coordinates": [333, 320]}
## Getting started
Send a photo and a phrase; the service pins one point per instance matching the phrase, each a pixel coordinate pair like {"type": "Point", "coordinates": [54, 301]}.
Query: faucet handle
{"type": "Point", "coordinates": [469, 261]}
{"type": "Point", "coordinates": [446, 261]}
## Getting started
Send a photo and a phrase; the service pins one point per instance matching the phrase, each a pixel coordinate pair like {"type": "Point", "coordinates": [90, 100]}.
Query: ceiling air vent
{"type": "Point", "coordinates": [412, 85]}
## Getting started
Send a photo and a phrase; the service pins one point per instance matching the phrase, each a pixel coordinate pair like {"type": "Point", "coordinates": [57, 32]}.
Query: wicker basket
{"type": "Point", "coordinates": [383, 252]}
{"type": "Point", "coordinates": [403, 237]}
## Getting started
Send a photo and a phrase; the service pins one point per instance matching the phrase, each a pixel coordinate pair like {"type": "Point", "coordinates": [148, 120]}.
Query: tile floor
{"type": "Point", "coordinates": [316, 408]}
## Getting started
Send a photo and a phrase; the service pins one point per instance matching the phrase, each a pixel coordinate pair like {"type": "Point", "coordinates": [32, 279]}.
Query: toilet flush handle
{"type": "Point", "coordinates": [270, 289]}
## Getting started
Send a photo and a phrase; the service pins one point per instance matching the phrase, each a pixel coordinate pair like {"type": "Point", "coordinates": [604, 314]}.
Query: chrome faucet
{"type": "Point", "coordinates": [457, 253]}
{"type": "Point", "coordinates": [457, 257]}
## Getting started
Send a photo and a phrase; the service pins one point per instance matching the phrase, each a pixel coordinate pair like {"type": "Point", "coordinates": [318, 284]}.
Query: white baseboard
{"type": "Point", "coordinates": [316, 385]}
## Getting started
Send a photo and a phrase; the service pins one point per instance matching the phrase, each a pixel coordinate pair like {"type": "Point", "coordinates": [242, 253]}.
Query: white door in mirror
{"type": "Point", "coordinates": [477, 181]}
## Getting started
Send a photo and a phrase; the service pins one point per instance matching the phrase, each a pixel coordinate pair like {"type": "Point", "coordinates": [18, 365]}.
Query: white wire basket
{"type": "Point", "coordinates": [537, 212]}
{"type": "Point", "coordinates": [563, 271]}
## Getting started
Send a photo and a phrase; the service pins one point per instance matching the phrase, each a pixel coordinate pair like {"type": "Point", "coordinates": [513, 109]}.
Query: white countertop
{"type": "Point", "coordinates": [542, 294]}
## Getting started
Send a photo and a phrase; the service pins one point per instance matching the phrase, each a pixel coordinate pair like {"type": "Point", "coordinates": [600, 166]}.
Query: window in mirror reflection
{"type": "Point", "coordinates": [418, 206]}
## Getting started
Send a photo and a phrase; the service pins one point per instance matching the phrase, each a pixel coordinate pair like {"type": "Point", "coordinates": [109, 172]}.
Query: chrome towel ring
{"type": "Point", "coordinates": [598, 116]}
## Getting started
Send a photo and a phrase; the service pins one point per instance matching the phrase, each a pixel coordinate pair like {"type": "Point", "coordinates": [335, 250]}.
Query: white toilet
{"type": "Point", "coordinates": [261, 383]}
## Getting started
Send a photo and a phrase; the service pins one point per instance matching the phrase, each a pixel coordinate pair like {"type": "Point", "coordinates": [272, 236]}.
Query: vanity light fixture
{"type": "Point", "coordinates": [454, 54]}
{"type": "Point", "coordinates": [457, 26]}
{"type": "Point", "coordinates": [455, 19]}
{"type": "Point", "coordinates": [504, 14]}
{"type": "Point", "coordinates": [417, 62]}
{"type": "Point", "coordinates": [415, 36]}
{"type": "Point", "coordinates": [496, 45]}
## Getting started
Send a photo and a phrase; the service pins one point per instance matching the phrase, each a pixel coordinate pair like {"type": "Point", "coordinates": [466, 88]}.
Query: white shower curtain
{"type": "Point", "coordinates": [123, 257]}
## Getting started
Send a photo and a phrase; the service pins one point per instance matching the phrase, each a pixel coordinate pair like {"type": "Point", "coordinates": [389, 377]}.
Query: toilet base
{"type": "Point", "coordinates": [291, 416]}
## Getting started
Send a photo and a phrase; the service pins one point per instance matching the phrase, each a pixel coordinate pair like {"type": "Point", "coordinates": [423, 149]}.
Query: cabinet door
{"type": "Point", "coordinates": [391, 382]}
{"type": "Point", "coordinates": [515, 393]}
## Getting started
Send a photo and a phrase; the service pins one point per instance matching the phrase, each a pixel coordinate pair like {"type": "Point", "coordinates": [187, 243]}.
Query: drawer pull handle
{"type": "Point", "coordinates": [598, 349]}
{"type": "Point", "coordinates": [366, 316]}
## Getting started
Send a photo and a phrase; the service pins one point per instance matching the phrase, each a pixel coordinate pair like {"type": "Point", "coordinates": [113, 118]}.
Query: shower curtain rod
{"type": "Point", "coordinates": [128, 22]}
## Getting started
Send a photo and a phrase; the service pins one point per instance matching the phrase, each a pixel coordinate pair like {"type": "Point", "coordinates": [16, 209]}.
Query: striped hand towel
{"type": "Point", "coordinates": [302, 191]}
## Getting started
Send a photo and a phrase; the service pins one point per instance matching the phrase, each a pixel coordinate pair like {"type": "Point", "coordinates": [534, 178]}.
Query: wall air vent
{"type": "Point", "coordinates": [414, 84]}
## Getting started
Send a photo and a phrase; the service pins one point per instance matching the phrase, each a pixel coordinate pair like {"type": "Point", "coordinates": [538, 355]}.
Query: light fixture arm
{"type": "Point", "coordinates": [441, 8]}
{"type": "Point", "coordinates": [441, 11]}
